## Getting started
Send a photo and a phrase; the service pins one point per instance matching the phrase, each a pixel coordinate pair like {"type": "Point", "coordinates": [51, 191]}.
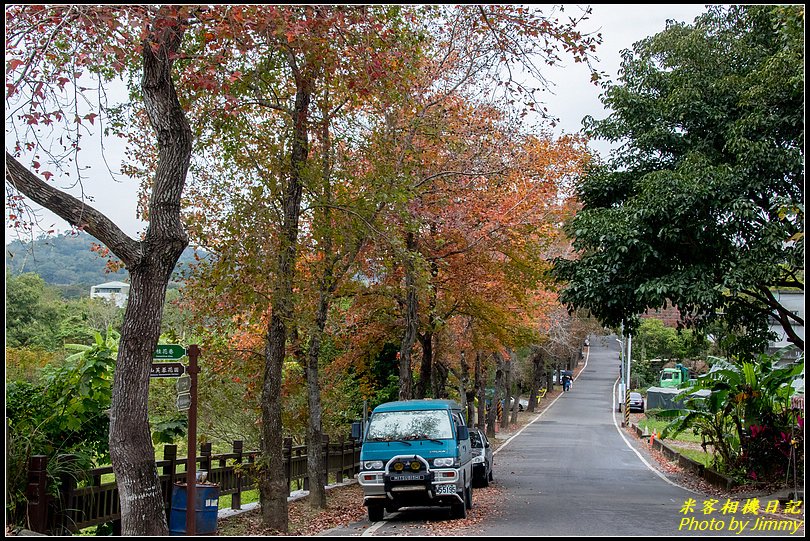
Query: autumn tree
{"type": "Point", "coordinates": [294, 79]}
{"type": "Point", "coordinates": [48, 49]}
{"type": "Point", "coordinates": [475, 53]}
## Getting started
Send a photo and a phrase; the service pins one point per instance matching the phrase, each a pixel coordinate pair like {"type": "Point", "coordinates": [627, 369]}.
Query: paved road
{"type": "Point", "coordinates": [572, 472]}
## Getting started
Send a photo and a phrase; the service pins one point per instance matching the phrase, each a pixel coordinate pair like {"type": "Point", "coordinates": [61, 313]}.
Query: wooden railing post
{"type": "Point", "coordinates": [298, 481]}
{"type": "Point", "coordinates": [67, 484]}
{"type": "Point", "coordinates": [170, 469]}
{"type": "Point", "coordinates": [236, 497]}
{"type": "Point", "coordinates": [325, 454]}
{"type": "Point", "coordinates": [287, 453]}
{"type": "Point", "coordinates": [356, 457]}
{"type": "Point", "coordinates": [37, 494]}
{"type": "Point", "coordinates": [205, 460]}
{"type": "Point", "coordinates": [339, 475]}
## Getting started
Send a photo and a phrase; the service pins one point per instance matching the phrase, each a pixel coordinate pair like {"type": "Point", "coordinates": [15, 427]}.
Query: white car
{"type": "Point", "coordinates": [482, 457]}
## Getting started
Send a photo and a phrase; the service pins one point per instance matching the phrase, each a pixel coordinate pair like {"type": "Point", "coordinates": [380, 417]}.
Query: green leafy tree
{"type": "Point", "coordinates": [32, 313]}
{"type": "Point", "coordinates": [64, 412]}
{"type": "Point", "coordinates": [703, 204]}
{"type": "Point", "coordinates": [653, 340]}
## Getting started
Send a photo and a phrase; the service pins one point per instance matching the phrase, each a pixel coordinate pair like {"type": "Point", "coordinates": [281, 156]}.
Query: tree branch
{"type": "Point", "coordinates": [76, 212]}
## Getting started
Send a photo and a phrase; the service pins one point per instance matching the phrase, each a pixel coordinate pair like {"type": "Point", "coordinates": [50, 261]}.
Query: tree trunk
{"type": "Point", "coordinates": [316, 469]}
{"type": "Point", "coordinates": [496, 396]}
{"type": "Point", "coordinates": [411, 322]}
{"type": "Point", "coordinates": [515, 408]}
{"type": "Point", "coordinates": [131, 451]}
{"type": "Point", "coordinates": [440, 374]}
{"type": "Point", "coordinates": [273, 486]}
{"type": "Point", "coordinates": [480, 389]}
{"type": "Point", "coordinates": [507, 377]}
{"type": "Point", "coordinates": [466, 391]}
{"type": "Point", "coordinates": [425, 372]}
{"type": "Point", "coordinates": [426, 378]}
{"type": "Point", "coordinates": [538, 375]}
{"type": "Point", "coordinates": [150, 263]}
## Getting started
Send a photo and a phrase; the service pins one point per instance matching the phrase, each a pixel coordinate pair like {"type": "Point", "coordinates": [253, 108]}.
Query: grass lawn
{"type": "Point", "coordinates": [651, 425]}
{"type": "Point", "coordinates": [248, 496]}
{"type": "Point", "coordinates": [700, 457]}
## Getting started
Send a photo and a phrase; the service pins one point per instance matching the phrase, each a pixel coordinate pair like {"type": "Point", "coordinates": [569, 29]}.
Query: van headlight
{"type": "Point", "coordinates": [444, 462]}
{"type": "Point", "coordinates": [373, 465]}
{"type": "Point", "coordinates": [478, 459]}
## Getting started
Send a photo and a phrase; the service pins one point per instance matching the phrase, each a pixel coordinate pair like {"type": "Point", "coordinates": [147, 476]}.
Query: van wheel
{"type": "Point", "coordinates": [458, 510]}
{"type": "Point", "coordinates": [485, 481]}
{"type": "Point", "coordinates": [376, 513]}
{"type": "Point", "coordinates": [468, 496]}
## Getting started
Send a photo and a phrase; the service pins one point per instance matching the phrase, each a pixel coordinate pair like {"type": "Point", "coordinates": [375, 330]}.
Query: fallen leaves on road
{"type": "Point", "coordinates": [343, 505]}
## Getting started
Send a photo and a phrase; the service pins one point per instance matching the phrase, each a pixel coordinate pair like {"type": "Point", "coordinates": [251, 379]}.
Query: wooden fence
{"type": "Point", "coordinates": [96, 502]}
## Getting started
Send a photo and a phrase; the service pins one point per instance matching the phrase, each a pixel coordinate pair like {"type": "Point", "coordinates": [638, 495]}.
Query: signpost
{"type": "Point", "coordinates": [191, 467]}
{"type": "Point", "coordinates": [167, 370]}
{"type": "Point", "coordinates": [186, 400]}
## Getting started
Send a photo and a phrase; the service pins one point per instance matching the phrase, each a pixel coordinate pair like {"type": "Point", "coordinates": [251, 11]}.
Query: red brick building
{"type": "Point", "coordinates": [670, 315]}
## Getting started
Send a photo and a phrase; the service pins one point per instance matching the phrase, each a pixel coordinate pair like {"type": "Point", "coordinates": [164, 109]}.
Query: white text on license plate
{"type": "Point", "coordinates": [445, 489]}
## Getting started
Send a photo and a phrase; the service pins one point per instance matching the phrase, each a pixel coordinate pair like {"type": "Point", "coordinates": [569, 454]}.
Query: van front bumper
{"type": "Point", "coordinates": [441, 486]}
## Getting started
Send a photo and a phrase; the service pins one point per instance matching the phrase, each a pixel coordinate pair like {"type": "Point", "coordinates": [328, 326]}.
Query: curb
{"type": "Point", "coordinates": [707, 474]}
{"type": "Point", "coordinates": [296, 495]}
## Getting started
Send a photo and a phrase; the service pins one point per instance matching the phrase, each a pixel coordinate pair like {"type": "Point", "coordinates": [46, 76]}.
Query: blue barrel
{"type": "Point", "coordinates": [207, 500]}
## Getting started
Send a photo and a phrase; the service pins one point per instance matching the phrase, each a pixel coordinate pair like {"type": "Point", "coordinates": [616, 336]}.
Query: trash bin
{"type": "Point", "coordinates": [205, 510]}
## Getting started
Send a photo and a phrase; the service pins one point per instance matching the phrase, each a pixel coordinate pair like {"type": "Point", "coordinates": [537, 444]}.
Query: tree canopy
{"type": "Point", "coordinates": [702, 204]}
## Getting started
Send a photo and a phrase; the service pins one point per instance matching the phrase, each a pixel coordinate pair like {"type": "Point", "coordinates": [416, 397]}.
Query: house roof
{"type": "Point", "coordinates": [112, 284]}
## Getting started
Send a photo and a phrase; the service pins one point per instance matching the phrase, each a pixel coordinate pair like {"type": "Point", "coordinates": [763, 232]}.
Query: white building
{"type": "Point", "coordinates": [118, 292]}
{"type": "Point", "coordinates": [794, 302]}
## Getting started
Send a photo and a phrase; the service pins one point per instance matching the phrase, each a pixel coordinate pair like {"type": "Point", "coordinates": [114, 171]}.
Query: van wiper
{"type": "Point", "coordinates": [402, 441]}
{"type": "Point", "coordinates": [389, 440]}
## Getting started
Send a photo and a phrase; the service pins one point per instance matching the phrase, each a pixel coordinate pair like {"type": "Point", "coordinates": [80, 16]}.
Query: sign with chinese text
{"type": "Point", "coordinates": [169, 352]}
{"type": "Point", "coordinates": [167, 370]}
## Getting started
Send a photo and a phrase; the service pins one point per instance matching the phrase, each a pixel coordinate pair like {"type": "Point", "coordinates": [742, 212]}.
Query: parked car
{"type": "Point", "coordinates": [482, 457]}
{"type": "Point", "coordinates": [636, 402]}
{"type": "Point", "coordinates": [523, 403]}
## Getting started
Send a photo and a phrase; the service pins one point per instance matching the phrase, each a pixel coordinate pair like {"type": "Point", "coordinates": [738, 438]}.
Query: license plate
{"type": "Point", "coordinates": [445, 489]}
{"type": "Point", "coordinates": [419, 477]}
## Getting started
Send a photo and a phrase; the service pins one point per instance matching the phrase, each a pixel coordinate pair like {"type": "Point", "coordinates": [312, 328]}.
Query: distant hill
{"type": "Point", "coordinates": [66, 261]}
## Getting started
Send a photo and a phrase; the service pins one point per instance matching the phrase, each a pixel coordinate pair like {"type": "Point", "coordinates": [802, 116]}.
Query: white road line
{"type": "Point", "coordinates": [641, 458]}
{"type": "Point", "coordinates": [373, 528]}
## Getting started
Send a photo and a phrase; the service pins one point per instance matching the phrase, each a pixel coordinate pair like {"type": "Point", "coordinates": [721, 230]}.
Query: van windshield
{"type": "Point", "coordinates": [410, 425]}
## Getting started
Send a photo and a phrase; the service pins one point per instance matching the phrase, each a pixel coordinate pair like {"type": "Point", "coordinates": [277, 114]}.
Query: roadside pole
{"type": "Point", "coordinates": [627, 387]}
{"type": "Point", "coordinates": [191, 466]}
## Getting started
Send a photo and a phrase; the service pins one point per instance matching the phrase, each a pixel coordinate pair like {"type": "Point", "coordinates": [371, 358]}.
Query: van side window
{"type": "Point", "coordinates": [458, 420]}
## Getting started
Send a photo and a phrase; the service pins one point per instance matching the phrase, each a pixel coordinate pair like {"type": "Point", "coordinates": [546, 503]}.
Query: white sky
{"type": "Point", "coordinates": [575, 97]}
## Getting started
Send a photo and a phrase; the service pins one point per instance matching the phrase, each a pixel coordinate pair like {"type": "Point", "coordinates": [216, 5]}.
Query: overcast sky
{"type": "Point", "coordinates": [575, 97]}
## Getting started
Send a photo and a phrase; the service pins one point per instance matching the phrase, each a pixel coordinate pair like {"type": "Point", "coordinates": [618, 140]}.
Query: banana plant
{"type": "Point", "coordinates": [751, 394]}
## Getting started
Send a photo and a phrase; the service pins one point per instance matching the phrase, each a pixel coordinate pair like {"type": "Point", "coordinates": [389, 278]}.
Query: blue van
{"type": "Point", "coordinates": [415, 453]}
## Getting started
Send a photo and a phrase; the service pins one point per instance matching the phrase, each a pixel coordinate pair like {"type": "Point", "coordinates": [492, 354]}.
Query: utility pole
{"type": "Point", "coordinates": [627, 388]}
{"type": "Point", "coordinates": [622, 370]}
